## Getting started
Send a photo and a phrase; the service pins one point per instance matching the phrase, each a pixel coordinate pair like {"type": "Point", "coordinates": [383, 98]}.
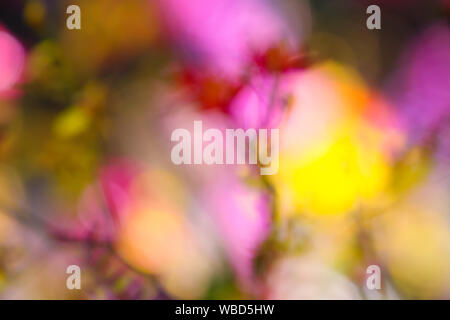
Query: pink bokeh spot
{"type": "Point", "coordinates": [12, 60]}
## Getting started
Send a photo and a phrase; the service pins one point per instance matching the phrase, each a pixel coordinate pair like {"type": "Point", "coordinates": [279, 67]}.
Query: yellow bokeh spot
{"type": "Point", "coordinates": [34, 13]}
{"type": "Point", "coordinates": [71, 122]}
{"type": "Point", "coordinates": [334, 180]}
{"type": "Point", "coordinates": [143, 237]}
{"type": "Point", "coordinates": [414, 243]}
{"type": "Point", "coordinates": [333, 159]}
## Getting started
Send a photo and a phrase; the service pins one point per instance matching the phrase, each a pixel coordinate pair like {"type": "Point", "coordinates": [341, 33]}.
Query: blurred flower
{"type": "Point", "coordinates": [140, 212]}
{"type": "Point", "coordinates": [222, 36]}
{"type": "Point", "coordinates": [423, 83]}
{"type": "Point", "coordinates": [156, 237]}
{"type": "Point", "coordinates": [208, 90]}
{"type": "Point", "coordinates": [333, 156]}
{"type": "Point", "coordinates": [242, 215]}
